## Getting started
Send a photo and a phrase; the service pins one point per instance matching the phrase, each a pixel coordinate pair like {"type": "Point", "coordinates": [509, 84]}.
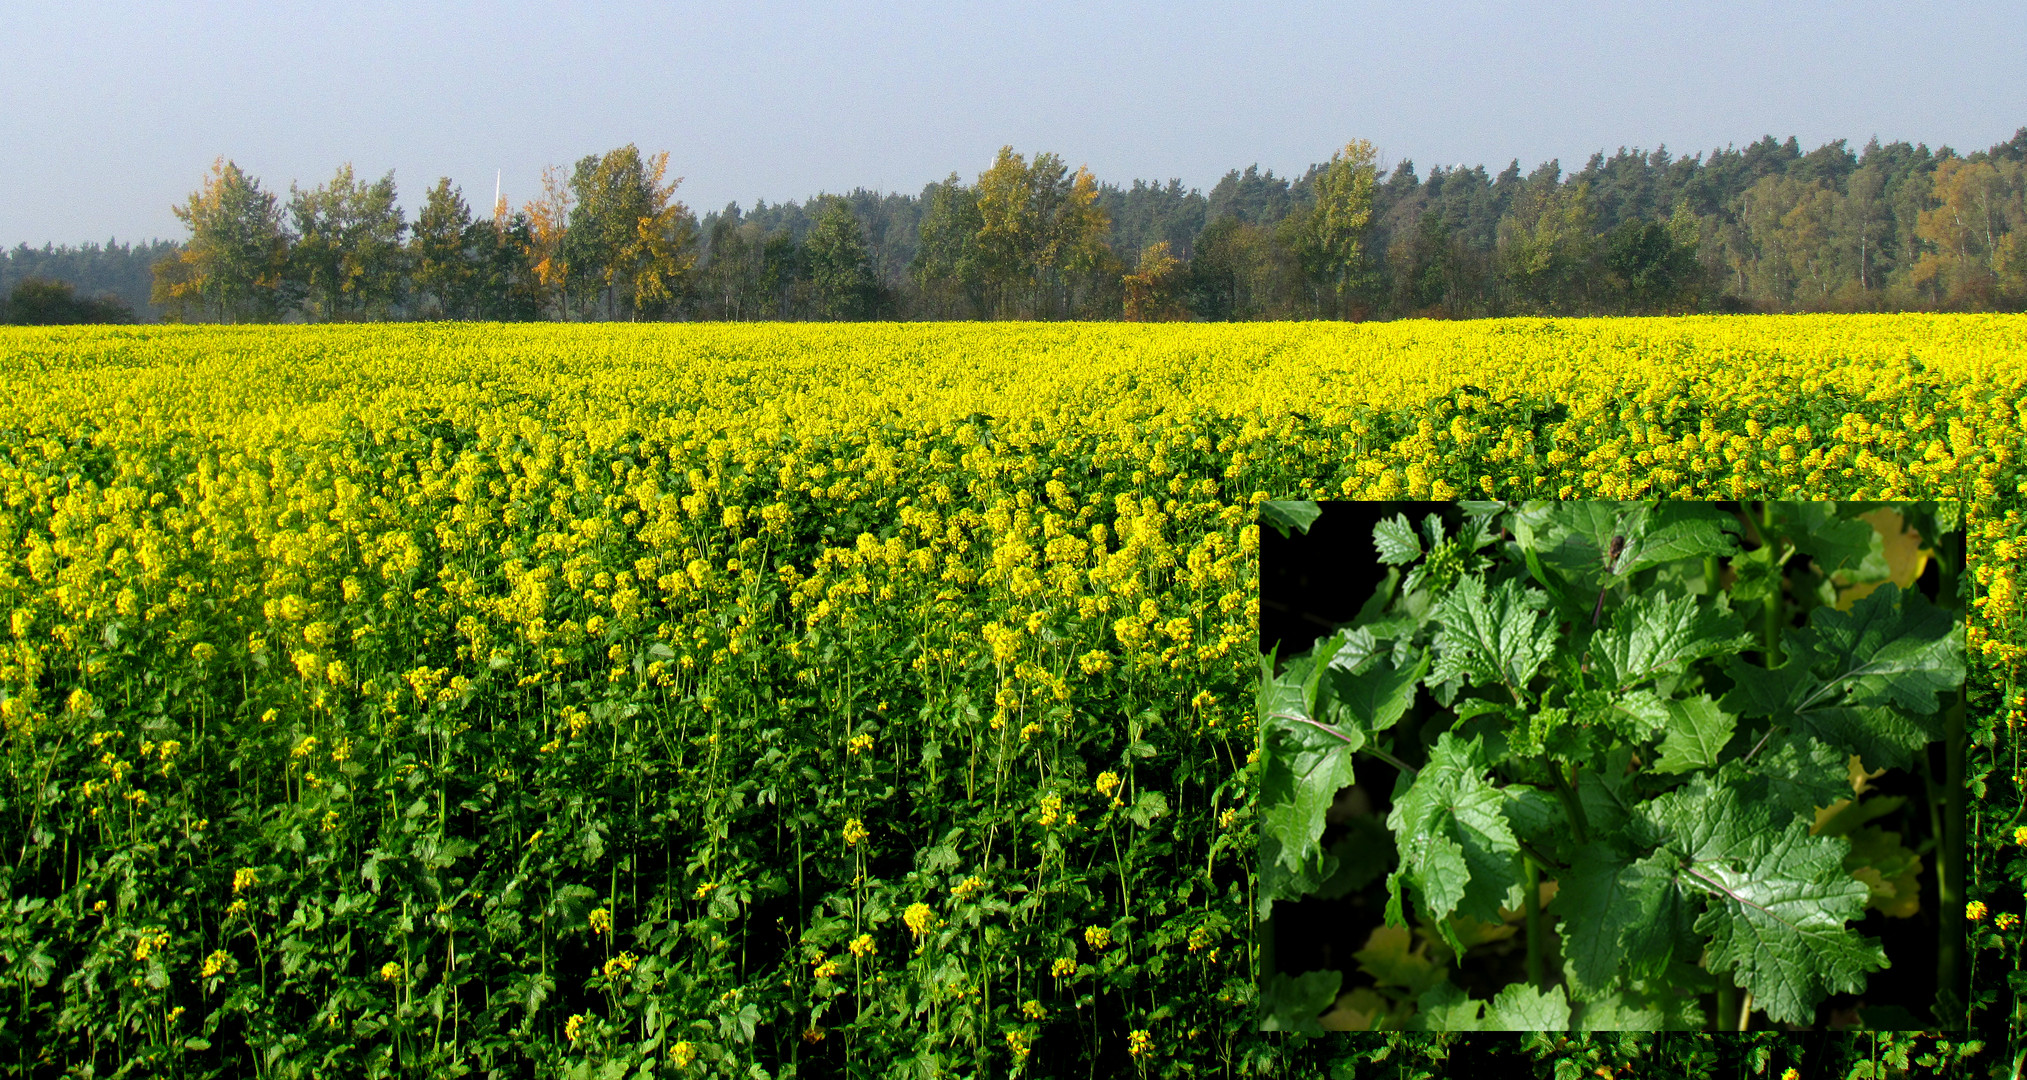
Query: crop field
{"type": "Point", "coordinates": [800, 700]}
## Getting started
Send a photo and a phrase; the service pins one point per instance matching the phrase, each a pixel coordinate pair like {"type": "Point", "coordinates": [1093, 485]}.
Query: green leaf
{"type": "Point", "coordinates": [1446, 1008]}
{"type": "Point", "coordinates": [1652, 634]}
{"type": "Point", "coordinates": [1702, 820]}
{"type": "Point", "coordinates": [1284, 515]}
{"type": "Point", "coordinates": [1305, 769]}
{"type": "Point", "coordinates": [1901, 653]}
{"type": "Point", "coordinates": [1756, 575]}
{"type": "Point", "coordinates": [1600, 899]}
{"type": "Point", "coordinates": [1456, 847]}
{"type": "Point", "coordinates": [1818, 531]}
{"type": "Point", "coordinates": [1678, 530]}
{"type": "Point", "coordinates": [1499, 638]}
{"type": "Point", "coordinates": [1520, 1007]}
{"type": "Point", "coordinates": [1636, 716]}
{"type": "Point", "coordinates": [1395, 538]}
{"type": "Point", "coordinates": [1376, 698]}
{"type": "Point", "coordinates": [1848, 677]}
{"type": "Point", "coordinates": [1697, 732]}
{"type": "Point", "coordinates": [1660, 932]}
{"type": "Point", "coordinates": [1348, 651]}
{"type": "Point", "coordinates": [1620, 1012]}
{"type": "Point", "coordinates": [1278, 881]}
{"type": "Point", "coordinates": [1293, 1004]}
{"type": "Point", "coordinates": [1536, 817]}
{"type": "Point", "coordinates": [1776, 918]}
{"type": "Point", "coordinates": [1575, 537]}
{"type": "Point", "coordinates": [1881, 736]}
{"type": "Point", "coordinates": [1793, 775]}
{"type": "Point", "coordinates": [1149, 805]}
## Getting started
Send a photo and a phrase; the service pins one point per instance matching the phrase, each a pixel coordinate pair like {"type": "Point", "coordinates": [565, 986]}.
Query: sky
{"type": "Point", "coordinates": [110, 113]}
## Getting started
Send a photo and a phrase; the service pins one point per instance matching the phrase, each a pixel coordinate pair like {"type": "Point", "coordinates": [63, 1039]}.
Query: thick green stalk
{"type": "Point", "coordinates": [1770, 619]}
{"type": "Point", "coordinates": [1534, 940]}
{"type": "Point", "coordinates": [1950, 852]}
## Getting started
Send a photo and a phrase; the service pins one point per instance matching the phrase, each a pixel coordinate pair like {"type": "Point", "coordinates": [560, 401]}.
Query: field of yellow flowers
{"type": "Point", "coordinates": [786, 700]}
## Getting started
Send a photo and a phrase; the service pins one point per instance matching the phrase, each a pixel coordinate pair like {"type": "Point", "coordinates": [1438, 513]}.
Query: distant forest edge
{"type": "Point", "coordinates": [1765, 228]}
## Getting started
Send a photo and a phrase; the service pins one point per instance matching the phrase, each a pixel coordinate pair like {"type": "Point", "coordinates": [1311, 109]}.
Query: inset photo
{"type": "Point", "coordinates": [1560, 766]}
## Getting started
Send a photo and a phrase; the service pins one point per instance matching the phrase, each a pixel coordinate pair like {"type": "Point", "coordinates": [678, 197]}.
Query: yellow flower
{"type": "Point", "coordinates": [862, 946]}
{"type": "Point", "coordinates": [1227, 818]}
{"type": "Point", "coordinates": [2020, 836]}
{"type": "Point", "coordinates": [237, 907]}
{"type": "Point", "coordinates": [1108, 782]}
{"type": "Point", "coordinates": [600, 920]}
{"type": "Point", "coordinates": [1975, 910]}
{"type": "Point", "coordinates": [390, 971]}
{"type": "Point", "coordinates": [918, 917]}
{"type": "Point", "coordinates": [854, 833]}
{"type": "Point", "coordinates": [1033, 1010]}
{"type": "Point", "coordinates": [682, 1054]}
{"type": "Point", "coordinates": [968, 888]}
{"type": "Point", "coordinates": [1098, 937]}
{"type": "Point", "coordinates": [1052, 810]}
{"type": "Point", "coordinates": [1139, 1043]}
{"type": "Point", "coordinates": [622, 963]}
{"type": "Point", "coordinates": [859, 744]}
{"type": "Point", "coordinates": [572, 1026]}
{"type": "Point", "coordinates": [2006, 920]}
{"type": "Point", "coordinates": [828, 969]}
{"type": "Point", "coordinates": [1792, 1074]}
{"type": "Point", "coordinates": [243, 879]}
{"type": "Point", "coordinates": [1017, 1044]}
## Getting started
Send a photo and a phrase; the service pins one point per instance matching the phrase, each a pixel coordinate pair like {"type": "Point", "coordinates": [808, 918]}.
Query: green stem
{"type": "Point", "coordinates": [1770, 619]}
{"type": "Point", "coordinates": [1534, 939]}
{"type": "Point", "coordinates": [1570, 803]}
{"type": "Point", "coordinates": [1950, 871]}
{"type": "Point", "coordinates": [1727, 1004]}
{"type": "Point", "coordinates": [1950, 851]}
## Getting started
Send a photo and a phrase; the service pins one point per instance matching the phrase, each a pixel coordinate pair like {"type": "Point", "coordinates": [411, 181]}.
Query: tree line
{"type": "Point", "coordinates": [1763, 228]}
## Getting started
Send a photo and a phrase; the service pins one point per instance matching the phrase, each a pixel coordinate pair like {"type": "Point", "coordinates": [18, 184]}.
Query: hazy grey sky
{"type": "Point", "coordinates": [111, 112]}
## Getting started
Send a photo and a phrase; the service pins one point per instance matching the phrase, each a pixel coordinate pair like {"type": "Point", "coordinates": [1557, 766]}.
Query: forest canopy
{"type": "Point", "coordinates": [1768, 227]}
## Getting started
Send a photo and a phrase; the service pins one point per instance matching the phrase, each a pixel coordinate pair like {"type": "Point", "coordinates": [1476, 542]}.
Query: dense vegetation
{"type": "Point", "coordinates": [124, 271]}
{"type": "Point", "coordinates": [729, 701]}
{"type": "Point", "coordinates": [1707, 776]}
{"type": "Point", "coordinates": [1764, 228]}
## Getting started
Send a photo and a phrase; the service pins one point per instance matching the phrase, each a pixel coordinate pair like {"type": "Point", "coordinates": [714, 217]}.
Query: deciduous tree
{"type": "Point", "coordinates": [232, 268]}
{"type": "Point", "coordinates": [1333, 244]}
